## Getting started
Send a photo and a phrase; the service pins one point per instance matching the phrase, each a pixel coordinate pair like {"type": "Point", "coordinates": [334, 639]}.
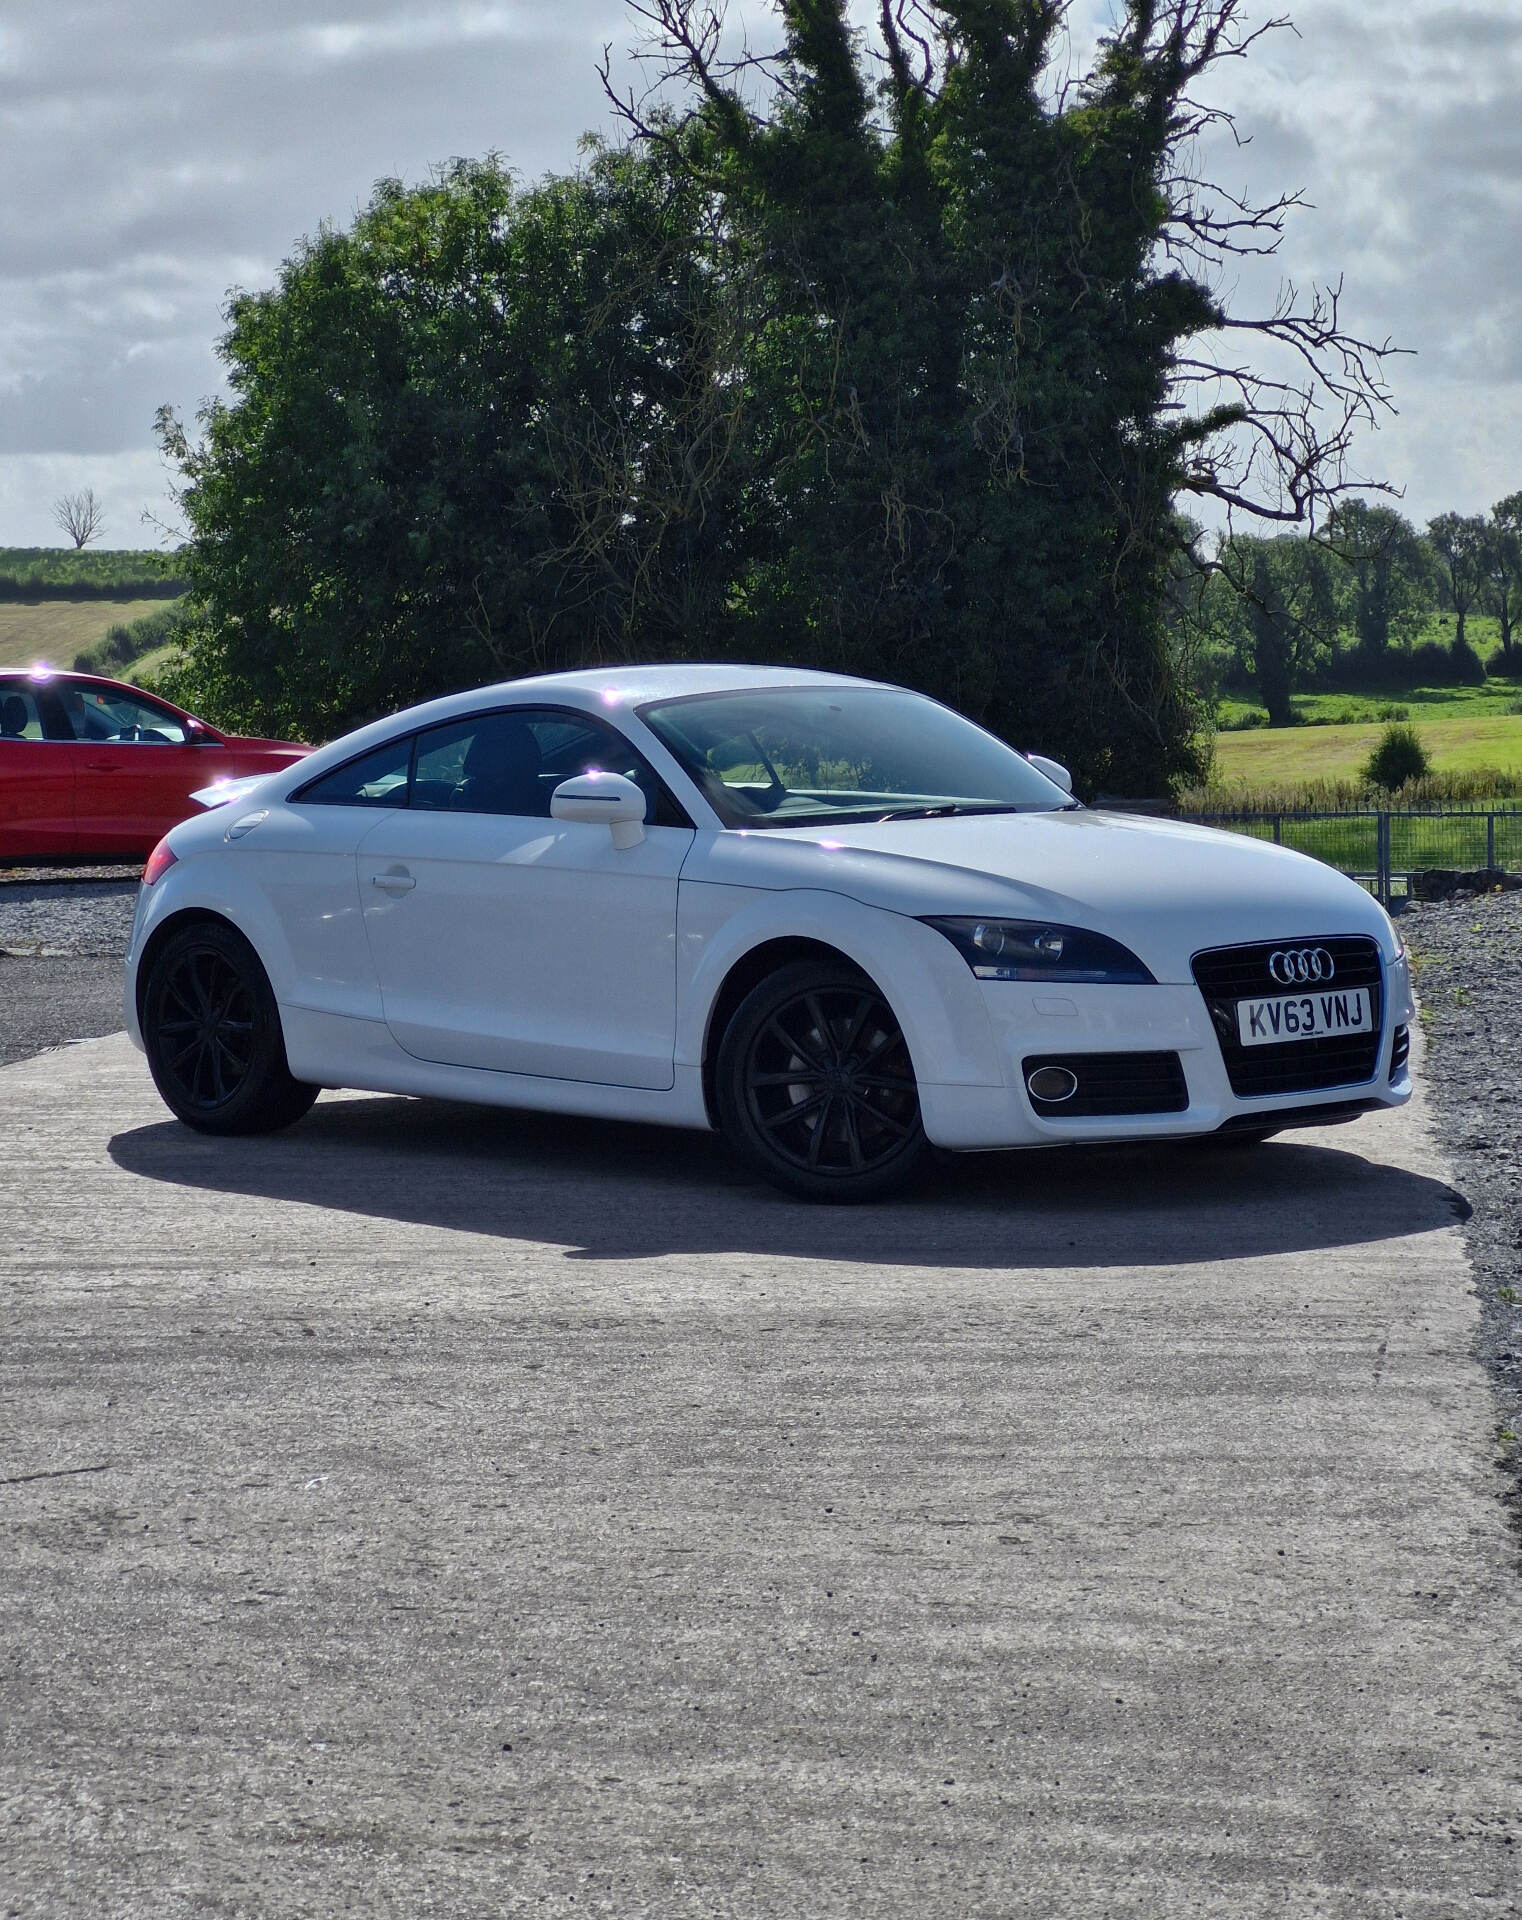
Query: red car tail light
{"type": "Point", "coordinates": [160, 861]}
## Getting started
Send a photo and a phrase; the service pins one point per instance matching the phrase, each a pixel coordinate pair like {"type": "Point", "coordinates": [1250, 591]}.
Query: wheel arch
{"type": "Point", "coordinates": [747, 973]}
{"type": "Point", "coordinates": [165, 931]}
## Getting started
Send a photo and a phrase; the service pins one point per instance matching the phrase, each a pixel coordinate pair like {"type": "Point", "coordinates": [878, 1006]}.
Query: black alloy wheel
{"type": "Point", "coordinates": [211, 1030]}
{"type": "Point", "coordinates": [815, 1086]}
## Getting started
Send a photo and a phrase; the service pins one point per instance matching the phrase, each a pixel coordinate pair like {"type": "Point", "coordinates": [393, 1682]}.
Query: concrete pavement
{"type": "Point", "coordinates": [432, 1511]}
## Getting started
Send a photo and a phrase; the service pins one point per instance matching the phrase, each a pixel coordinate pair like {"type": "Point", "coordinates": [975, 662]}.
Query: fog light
{"type": "Point", "coordinates": [1052, 1084]}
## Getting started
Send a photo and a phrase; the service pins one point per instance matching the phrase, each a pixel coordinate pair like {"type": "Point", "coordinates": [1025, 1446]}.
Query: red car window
{"type": "Point", "coordinates": [19, 716]}
{"type": "Point", "coordinates": [125, 719]}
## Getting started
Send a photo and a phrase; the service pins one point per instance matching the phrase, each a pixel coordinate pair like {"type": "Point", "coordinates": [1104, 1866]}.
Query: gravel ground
{"type": "Point", "coordinates": [1468, 958]}
{"type": "Point", "coordinates": [64, 919]}
{"type": "Point", "coordinates": [61, 944]}
{"type": "Point", "coordinates": [61, 948]}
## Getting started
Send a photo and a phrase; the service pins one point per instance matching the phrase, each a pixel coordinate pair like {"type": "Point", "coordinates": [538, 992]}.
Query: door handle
{"type": "Point", "coordinates": [393, 882]}
{"type": "Point", "coordinates": [103, 766]}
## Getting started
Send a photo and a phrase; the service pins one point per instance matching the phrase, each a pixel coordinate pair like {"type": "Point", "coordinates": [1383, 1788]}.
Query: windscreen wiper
{"type": "Point", "coordinates": [941, 812]}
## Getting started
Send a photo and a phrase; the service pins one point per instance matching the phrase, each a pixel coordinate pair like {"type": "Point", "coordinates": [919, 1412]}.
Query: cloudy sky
{"type": "Point", "coordinates": [156, 154]}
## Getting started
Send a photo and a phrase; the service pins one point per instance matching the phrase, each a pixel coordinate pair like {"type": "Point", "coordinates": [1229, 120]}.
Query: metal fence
{"type": "Point", "coordinates": [1383, 850]}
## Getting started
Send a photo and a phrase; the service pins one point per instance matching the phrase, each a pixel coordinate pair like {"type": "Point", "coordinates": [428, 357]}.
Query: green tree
{"type": "Point", "coordinates": [1459, 541]}
{"type": "Point", "coordinates": [1398, 759]}
{"type": "Point", "coordinates": [1500, 568]}
{"type": "Point", "coordinates": [1277, 608]}
{"type": "Point", "coordinates": [1389, 590]}
{"type": "Point", "coordinates": [899, 368]}
{"type": "Point", "coordinates": [388, 508]}
{"type": "Point", "coordinates": [981, 383]}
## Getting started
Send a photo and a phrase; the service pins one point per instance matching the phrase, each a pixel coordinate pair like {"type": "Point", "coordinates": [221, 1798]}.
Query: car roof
{"type": "Point", "coordinates": [605, 690]}
{"type": "Point", "coordinates": [42, 675]}
{"type": "Point", "coordinates": [624, 686]}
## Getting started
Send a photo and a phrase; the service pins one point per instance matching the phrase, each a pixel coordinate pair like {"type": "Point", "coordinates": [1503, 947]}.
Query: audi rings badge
{"type": "Point", "coordinates": [1301, 966]}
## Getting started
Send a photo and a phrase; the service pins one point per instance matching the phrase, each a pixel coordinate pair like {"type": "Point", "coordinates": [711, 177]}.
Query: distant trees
{"type": "Point", "coordinates": [75, 573]}
{"type": "Point", "coordinates": [80, 515]}
{"type": "Point", "coordinates": [1501, 573]}
{"type": "Point", "coordinates": [1348, 606]}
{"type": "Point", "coordinates": [1459, 541]}
{"type": "Point", "coordinates": [893, 358]}
{"type": "Point", "coordinates": [1387, 589]}
{"type": "Point", "coordinates": [1273, 606]}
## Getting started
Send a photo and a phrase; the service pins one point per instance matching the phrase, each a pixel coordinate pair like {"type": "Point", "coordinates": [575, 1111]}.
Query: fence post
{"type": "Point", "coordinates": [1490, 841]}
{"type": "Point", "coordinates": [1382, 842]}
{"type": "Point", "coordinates": [1278, 829]}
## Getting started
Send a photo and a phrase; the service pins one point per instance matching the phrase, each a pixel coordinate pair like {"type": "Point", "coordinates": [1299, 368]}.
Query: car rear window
{"type": "Point", "coordinates": [19, 718]}
{"type": "Point", "coordinates": [377, 779]}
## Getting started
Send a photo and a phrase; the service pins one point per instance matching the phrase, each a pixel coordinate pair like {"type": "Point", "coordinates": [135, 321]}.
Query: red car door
{"type": "Point", "coordinates": [135, 768]}
{"type": "Point", "coordinates": [36, 777]}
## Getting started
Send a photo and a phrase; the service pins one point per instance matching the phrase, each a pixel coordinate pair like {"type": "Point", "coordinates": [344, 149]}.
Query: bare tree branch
{"type": "Point", "coordinates": [80, 515]}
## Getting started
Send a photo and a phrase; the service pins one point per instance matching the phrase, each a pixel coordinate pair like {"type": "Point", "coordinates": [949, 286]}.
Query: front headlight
{"type": "Point", "coordinates": [1041, 950]}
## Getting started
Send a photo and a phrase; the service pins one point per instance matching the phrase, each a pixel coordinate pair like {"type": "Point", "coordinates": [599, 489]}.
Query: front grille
{"type": "Point", "coordinates": [1225, 975]}
{"type": "Point", "coordinates": [1400, 1050]}
{"type": "Point", "coordinates": [1112, 1083]}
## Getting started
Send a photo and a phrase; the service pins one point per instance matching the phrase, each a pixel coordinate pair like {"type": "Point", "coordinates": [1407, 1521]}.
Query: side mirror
{"type": "Point", "coordinates": [1053, 769]}
{"type": "Point", "coordinates": [606, 797]}
{"type": "Point", "coordinates": [200, 735]}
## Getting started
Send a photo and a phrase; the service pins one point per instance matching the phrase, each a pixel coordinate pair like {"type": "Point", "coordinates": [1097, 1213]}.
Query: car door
{"type": "Point", "coordinates": [135, 767]}
{"type": "Point", "coordinates": [506, 939]}
{"type": "Point", "coordinates": [36, 776]}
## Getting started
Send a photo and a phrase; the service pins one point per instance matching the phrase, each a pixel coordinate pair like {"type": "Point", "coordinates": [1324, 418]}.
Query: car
{"type": "Point", "coordinates": [90, 766]}
{"type": "Point", "coordinates": [828, 917]}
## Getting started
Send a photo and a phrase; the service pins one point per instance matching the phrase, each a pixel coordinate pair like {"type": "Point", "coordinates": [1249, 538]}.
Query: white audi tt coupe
{"type": "Point", "coordinates": [830, 918]}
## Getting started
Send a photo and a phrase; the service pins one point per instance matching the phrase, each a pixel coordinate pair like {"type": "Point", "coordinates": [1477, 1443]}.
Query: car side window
{"type": "Point", "coordinates": [512, 761]}
{"type": "Point", "coordinates": [104, 713]}
{"type": "Point", "coordinates": [19, 718]}
{"type": "Point", "coordinates": [375, 779]}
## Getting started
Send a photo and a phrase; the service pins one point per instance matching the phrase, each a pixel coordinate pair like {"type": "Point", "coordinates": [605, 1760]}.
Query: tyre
{"type": "Point", "coordinates": [211, 1031]}
{"type": "Point", "coordinates": [815, 1088]}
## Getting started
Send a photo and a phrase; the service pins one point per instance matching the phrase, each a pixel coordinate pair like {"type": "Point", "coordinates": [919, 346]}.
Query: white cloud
{"type": "Point", "coordinates": [1403, 121]}
{"type": "Point", "coordinates": [150, 166]}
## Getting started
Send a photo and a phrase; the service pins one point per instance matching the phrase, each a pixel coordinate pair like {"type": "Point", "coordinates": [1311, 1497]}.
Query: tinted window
{"type": "Point", "coordinates": [19, 718]}
{"type": "Point", "coordinates": [125, 719]}
{"type": "Point", "coordinates": [509, 761]}
{"type": "Point", "coordinates": [377, 779]}
{"type": "Point", "coordinates": [512, 761]}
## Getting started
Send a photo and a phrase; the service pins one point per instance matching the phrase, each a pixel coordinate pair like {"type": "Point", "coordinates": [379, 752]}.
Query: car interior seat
{"type": "Point", "coordinates": [502, 768]}
{"type": "Point", "coordinates": [12, 717]}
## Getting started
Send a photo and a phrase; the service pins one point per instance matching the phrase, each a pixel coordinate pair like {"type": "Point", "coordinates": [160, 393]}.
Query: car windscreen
{"type": "Point", "coordinates": [804, 756]}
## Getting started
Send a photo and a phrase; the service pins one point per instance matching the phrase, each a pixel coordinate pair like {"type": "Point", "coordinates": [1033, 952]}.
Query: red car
{"type": "Point", "coordinates": [89, 766]}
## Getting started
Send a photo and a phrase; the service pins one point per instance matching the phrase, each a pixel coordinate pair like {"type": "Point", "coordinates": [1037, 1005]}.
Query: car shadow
{"type": "Point", "coordinates": [607, 1191]}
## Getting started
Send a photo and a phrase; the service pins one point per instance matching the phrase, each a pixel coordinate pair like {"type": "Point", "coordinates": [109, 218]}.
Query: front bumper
{"type": "Point", "coordinates": [1028, 1021]}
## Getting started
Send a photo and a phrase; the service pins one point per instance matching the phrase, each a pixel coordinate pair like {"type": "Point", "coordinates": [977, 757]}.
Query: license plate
{"type": "Point", "coordinates": [1303, 1016]}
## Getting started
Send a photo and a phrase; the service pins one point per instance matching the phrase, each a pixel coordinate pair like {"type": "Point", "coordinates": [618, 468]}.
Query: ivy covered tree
{"type": "Point", "coordinates": [386, 508]}
{"type": "Point", "coordinates": [891, 352]}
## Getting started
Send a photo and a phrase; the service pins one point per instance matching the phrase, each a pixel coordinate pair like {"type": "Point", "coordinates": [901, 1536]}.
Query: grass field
{"type": "Point", "coordinates": [1291, 756]}
{"type": "Point", "coordinates": [55, 630]}
{"type": "Point", "coordinates": [1416, 841]}
{"type": "Point", "coordinates": [1421, 704]}
{"type": "Point", "coordinates": [142, 670]}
